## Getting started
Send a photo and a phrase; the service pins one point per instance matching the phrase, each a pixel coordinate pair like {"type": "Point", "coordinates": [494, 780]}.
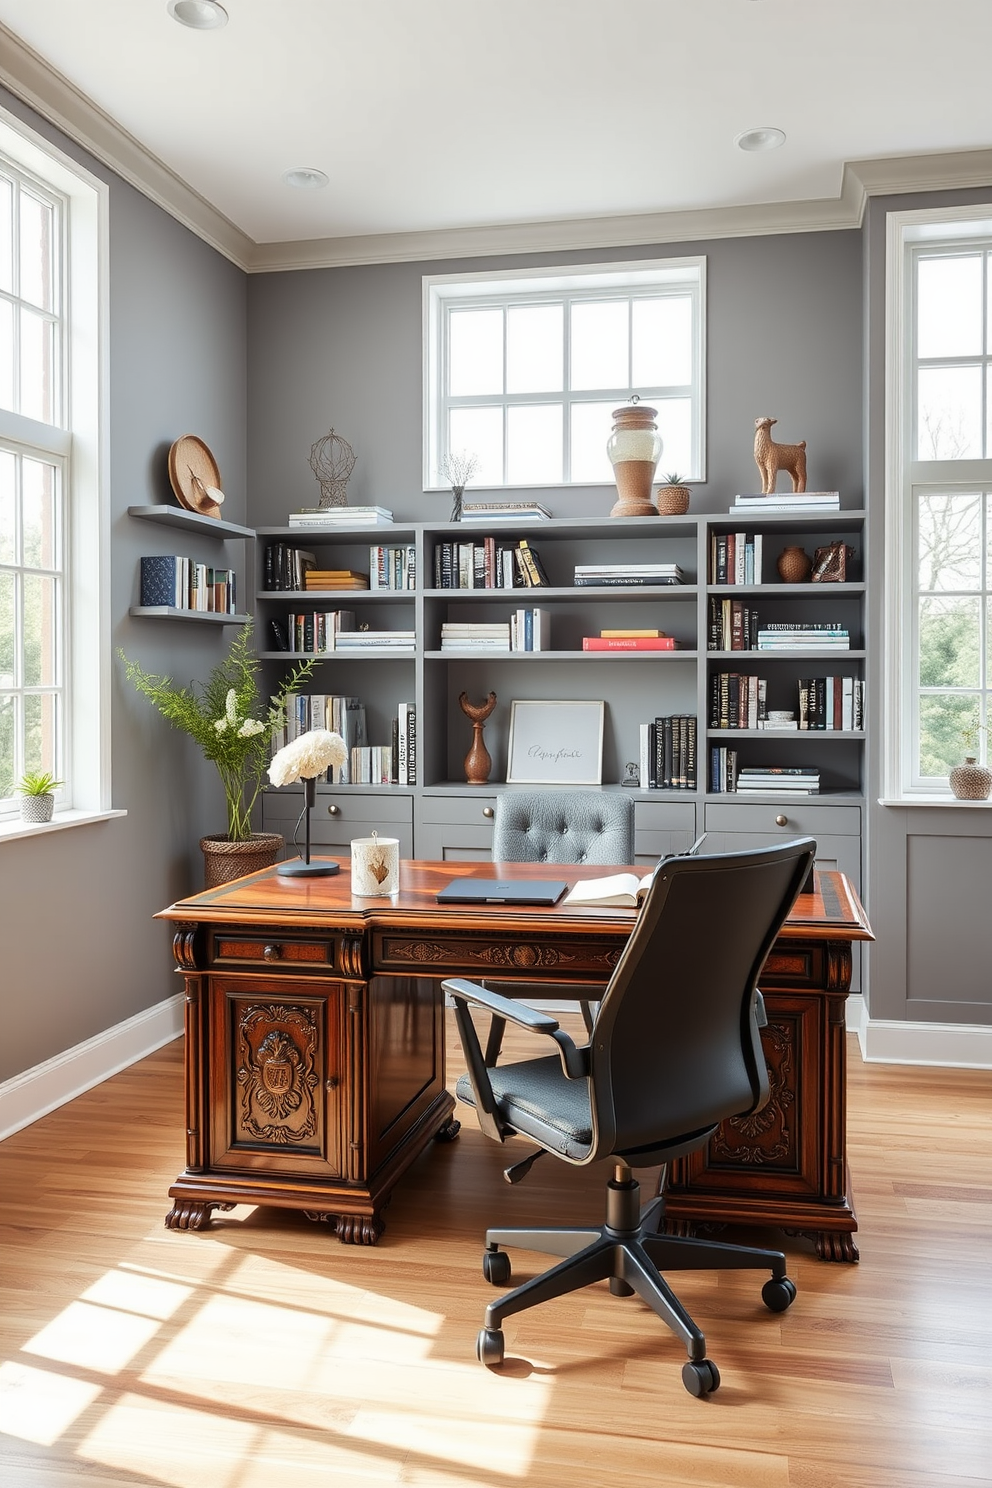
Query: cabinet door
{"type": "Point", "coordinates": [277, 1050]}
{"type": "Point", "coordinates": [662, 827]}
{"type": "Point", "coordinates": [455, 829]}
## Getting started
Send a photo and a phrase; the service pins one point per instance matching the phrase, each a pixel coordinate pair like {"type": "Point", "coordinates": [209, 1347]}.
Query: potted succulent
{"type": "Point", "coordinates": [37, 792]}
{"type": "Point", "coordinates": [673, 497]}
{"type": "Point", "coordinates": [232, 719]}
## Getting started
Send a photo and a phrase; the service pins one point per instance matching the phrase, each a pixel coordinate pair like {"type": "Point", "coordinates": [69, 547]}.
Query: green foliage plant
{"type": "Point", "coordinates": [37, 783]}
{"type": "Point", "coordinates": [230, 718]}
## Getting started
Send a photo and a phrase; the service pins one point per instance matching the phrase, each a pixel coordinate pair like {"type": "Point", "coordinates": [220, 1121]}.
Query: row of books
{"type": "Point", "coordinates": [393, 567]}
{"type": "Point", "coordinates": [733, 625]}
{"type": "Point", "coordinates": [727, 777]}
{"type": "Point", "coordinates": [629, 574]}
{"type": "Point", "coordinates": [831, 704]}
{"type": "Point", "coordinates": [735, 558]}
{"type": "Point", "coordinates": [777, 502]}
{"type": "Point", "coordinates": [340, 516]}
{"type": "Point", "coordinates": [394, 763]}
{"type": "Point", "coordinates": [668, 753]}
{"type": "Point", "coordinates": [740, 701]}
{"type": "Point", "coordinates": [488, 565]}
{"type": "Point", "coordinates": [526, 630]}
{"type": "Point", "coordinates": [311, 634]}
{"type": "Point", "coordinates": [171, 582]}
{"type": "Point", "coordinates": [286, 567]}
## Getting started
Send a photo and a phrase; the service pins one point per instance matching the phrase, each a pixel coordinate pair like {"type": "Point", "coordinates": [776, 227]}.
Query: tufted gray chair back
{"type": "Point", "coordinates": [563, 826]}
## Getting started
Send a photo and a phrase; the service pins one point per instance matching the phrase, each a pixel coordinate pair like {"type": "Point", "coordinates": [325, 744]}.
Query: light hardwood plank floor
{"type": "Point", "coordinates": [262, 1353]}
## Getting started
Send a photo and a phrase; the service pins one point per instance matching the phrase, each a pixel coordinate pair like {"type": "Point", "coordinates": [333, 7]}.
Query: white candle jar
{"type": "Point", "coordinates": [375, 866]}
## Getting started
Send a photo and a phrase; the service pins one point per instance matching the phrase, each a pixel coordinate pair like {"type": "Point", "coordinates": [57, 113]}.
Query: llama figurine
{"type": "Point", "coordinates": [771, 458]}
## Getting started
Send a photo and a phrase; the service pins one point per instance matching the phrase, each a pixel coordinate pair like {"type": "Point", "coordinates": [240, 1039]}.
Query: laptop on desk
{"type": "Point", "coordinates": [501, 891]}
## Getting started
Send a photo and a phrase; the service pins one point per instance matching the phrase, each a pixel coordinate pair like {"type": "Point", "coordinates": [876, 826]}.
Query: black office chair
{"type": "Point", "coordinates": [674, 1051]}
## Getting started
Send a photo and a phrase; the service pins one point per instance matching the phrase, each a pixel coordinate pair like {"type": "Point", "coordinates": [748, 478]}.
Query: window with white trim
{"type": "Point", "coordinates": [53, 634]}
{"type": "Point", "coordinates": [939, 573]}
{"type": "Point", "coordinates": [523, 369]}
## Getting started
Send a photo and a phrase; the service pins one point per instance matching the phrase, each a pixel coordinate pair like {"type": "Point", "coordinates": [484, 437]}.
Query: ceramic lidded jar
{"type": "Point", "coordinates": [970, 781]}
{"type": "Point", "coordinates": [794, 565]}
{"type": "Point", "coordinates": [634, 449]}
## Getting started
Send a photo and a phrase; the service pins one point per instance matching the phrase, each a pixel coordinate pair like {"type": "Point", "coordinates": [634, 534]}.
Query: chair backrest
{"type": "Point", "coordinates": [563, 826]}
{"type": "Point", "coordinates": [675, 1048]}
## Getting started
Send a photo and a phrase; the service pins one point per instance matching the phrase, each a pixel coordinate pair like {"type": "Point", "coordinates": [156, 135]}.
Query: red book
{"type": "Point", "coordinates": [629, 643]}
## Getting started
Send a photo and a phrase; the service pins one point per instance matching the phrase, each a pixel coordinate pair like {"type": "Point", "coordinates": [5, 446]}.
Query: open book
{"type": "Point", "coordinates": [621, 889]}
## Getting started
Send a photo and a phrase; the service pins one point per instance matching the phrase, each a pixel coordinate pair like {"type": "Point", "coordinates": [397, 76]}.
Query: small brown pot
{"type": "Point", "coordinates": [794, 565]}
{"type": "Point", "coordinates": [970, 781]}
{"type": "Point", "coordinates": [224, 860]}
{"type": "Point", "coordinates": [672, 501]}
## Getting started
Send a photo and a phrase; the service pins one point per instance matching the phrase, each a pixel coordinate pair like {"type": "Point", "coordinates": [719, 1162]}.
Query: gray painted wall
{"type": "Point", "coordinates": [81, 950]}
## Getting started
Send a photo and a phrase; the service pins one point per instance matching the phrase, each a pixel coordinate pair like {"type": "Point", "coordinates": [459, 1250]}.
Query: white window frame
{"type": "Point", "coordinates": [640, 277]}
{"type": "Point", "coordinates": [906, 477]}
{"type": "Point", "coordinates": [80, 445]}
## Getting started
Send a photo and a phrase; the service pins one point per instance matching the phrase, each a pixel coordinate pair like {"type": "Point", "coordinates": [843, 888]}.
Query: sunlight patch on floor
{"type": "Point", "coordinates": [36, 1406]}
{"type": "Point", "coordinates": [93, 1337]}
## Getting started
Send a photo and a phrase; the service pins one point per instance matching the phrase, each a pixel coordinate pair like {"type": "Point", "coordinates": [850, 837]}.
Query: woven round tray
{"type": "Point", "coordinates": [192, 468]}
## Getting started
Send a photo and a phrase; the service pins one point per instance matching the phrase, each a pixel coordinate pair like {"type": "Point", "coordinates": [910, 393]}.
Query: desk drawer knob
{"type": "Point", "coordinates": [781, 821]}
{"type": "Point", "coordinates": [271, 953]}
{"type": "Point", "coordinates": [333, 810]}
{"type": "Point", "coordinates": [488, 813]}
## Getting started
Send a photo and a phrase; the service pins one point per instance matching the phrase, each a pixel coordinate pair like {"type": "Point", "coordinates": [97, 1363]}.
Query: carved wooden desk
{"type": "Point", "coordinates": [315, 1045]}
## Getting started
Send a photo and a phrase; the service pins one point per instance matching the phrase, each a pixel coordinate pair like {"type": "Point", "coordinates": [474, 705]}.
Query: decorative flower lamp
{"type": "Point", "coordinates": [304, 758]}
{"type": "Point", "coordinates": [634, 449]}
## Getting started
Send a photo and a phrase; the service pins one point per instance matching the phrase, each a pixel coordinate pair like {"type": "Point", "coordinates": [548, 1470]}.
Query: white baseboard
{"type": "Point", "coordinates": [28, 1096]}
{"type": "Point", "coordinates": [950, 1045]}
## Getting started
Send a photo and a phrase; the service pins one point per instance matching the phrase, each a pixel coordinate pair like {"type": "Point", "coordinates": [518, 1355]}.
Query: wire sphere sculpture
{"type": "Point", "coordinates": [332, 460]}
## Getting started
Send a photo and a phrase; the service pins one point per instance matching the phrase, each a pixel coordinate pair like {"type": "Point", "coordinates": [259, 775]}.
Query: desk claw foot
{"type": "Point", "coordinates": [192, 1214]}
{"type": "Point", "coordinates": [449, 1131]}
{"type": "Point", "coordinates": [351, 1229]}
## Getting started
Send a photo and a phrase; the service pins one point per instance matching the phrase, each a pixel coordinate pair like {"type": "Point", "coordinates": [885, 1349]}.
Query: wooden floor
{"type": "Point", "coordinates": [262, 1353]}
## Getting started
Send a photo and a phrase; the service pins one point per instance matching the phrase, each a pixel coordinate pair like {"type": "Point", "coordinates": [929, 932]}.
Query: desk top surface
{"type": "Point", "coordinates": [833, 911]}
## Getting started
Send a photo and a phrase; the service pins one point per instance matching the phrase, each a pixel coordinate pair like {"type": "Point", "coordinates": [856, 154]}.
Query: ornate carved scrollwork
{"type": "Point", "coordinates": [493, 955]}
{"type": "Point", "coordinates": [763, 1136]}
{"type": "Point", "coordinates": [192, 1214]}
{"type": "Point", "coordinates": [277, 1049]}
{"type": "Point", "coordinates": [831, 1245]}
{"type": "Point", "coordinates": [184, 947]}
{"type": "Point", "coordinates": [350, 958]}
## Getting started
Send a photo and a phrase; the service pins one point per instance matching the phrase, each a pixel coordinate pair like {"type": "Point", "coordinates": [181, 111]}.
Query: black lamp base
{"type": "Point", "coordinates": [316, 868]}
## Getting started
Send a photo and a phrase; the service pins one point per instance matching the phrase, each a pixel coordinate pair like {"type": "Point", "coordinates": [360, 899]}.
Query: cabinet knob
{"type": "Point", "coordinates": [333, 810]}
{"type": "Point", "coordinates": [271, 953]}
{"type": "Point", "coordinates": [488, 812]}
{"type": "Point", "coordinates": [781, 821]}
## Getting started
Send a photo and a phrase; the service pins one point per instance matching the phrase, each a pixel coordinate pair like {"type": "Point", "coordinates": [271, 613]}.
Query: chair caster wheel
{"type": "Point", "coordinates": [700, 1377]}
{"type": "Point", "coordinates": [489, 1347]}
{"type": "Point", "coordinates": [496, 1267]}
{"type": "Point", "coordinates": [778, 1294]}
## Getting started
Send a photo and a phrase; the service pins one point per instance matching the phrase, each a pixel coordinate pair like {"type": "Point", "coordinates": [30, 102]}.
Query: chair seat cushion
{"type": "Point", "coordinates": [536, 1099]}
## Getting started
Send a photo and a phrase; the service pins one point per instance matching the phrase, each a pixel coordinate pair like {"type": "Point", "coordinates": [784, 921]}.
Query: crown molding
{"type": "Point", "coordinates": [30, 78]}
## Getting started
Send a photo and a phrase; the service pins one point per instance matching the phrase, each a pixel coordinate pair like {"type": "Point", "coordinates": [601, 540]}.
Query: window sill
{"type": "Point", "coordinates": [12, 826]}
{"type": "Point", "coordinates": [931, 801]}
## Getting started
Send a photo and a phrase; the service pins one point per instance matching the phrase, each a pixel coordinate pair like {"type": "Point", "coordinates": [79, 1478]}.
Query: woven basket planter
{"type": "Point", "coordinates": [224, 860]}
{"type": "Point", "coordinates": [36, 809]}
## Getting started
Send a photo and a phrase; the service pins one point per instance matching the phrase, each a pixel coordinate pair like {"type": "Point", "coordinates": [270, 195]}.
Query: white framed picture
{"type": "Point", "coordinates": [555, 743]}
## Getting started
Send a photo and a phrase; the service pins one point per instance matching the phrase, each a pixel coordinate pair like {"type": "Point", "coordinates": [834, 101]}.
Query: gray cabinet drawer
{"type": "Point", "coordinates": [455, 828]}
{"type": "Point", "coordinates": [801, 819]}
{"type": "Point", "coordinates": [461, 810]}
{"type": "Point", "coordinates": [662, 827]}
{"type": "Point", "coordinates": [340, 815]}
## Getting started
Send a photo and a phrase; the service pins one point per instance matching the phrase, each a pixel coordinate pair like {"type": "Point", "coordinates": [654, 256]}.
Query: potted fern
{"type": "Point", "coordinates": [232, 720]}
{"type": "Point", "coordinates": [37, 792]}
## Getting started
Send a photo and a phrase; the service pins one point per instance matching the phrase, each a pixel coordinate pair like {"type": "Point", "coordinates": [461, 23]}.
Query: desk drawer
{"type": "Point", "coordinates": [340, 815]}
{"type": "Point", "coordinates": [801, 819]}
{"type": "Point", "coordinates": [251, 949]}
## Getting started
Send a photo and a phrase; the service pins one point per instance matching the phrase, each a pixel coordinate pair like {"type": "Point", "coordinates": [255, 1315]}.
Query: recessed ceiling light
{"type": "Point", "coordinates": [760, 139]}
{"type": "Point", "coordinates": [202, 15]}
{"type": "Point", "coordinates": [305, 178]}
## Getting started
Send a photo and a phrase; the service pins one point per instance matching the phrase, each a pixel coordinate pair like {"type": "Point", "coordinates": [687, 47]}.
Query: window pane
{"type": "Point", "coordinates": [8, 473]}
{"type": "Point", "coordinates": [40, 631]}
{"type": "Point", "coordinates": [950, 540]}
{"type": "Point", "coordinates": [943, 721]}
{"type": "Point", "coordinates": [534, 444]}
{"type": "Point", "coordinates": [949, 416]}
{"type": "Point", "coordinates": [6, 235]}
{"type": "Point", "coordinates": [475, 352]}
{"type": "Point", "coordinates": [675, 427]}
{"type": "Point", "coordinates": [950, 306]}
{"type": "Point", "coordinates": [41, 742]}
{"type": "Point", "coordinates": [661, 346]}
{"type": "Point", "coordinates": [37, 277]}
{"type": "Point", "coordinates": [7, 678]}
{"type": "Point", "coordinates": [37, 367]}
{"type": "Point", "coordinates": [6, 354]}
{"type": "Point", "coordinates": [600, 351]}
{"type": "Point", "coordinates": [479, 431]}
{"type": "Point", "coordinates": [40, 534]}
{"type": "Point", "coordinates": [7, 730]}
{"type": "Point", "coordinates": [591, 426]}
{"type": "Point", "coordinates": [950, 643]}
{"type": "Point", "coordinates": [534, 348]}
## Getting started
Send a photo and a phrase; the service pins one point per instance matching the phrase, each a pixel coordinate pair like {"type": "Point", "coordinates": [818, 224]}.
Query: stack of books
{"type": "Point", "coordinates": [335, 578]}
{"type": "Point", "coordinates": [787, 501]}
{"type": "Point", "coordinates": [735, 558]}
{"type": "Point", "coordinates": [613, 574]}
{"type": "Point", "coordinates": [340, 516]}
{"type": "Point", "coordinates": [364, 640]}
{"type": "Point", "coordinates": [471, 636]}
{"type": "Point", "coordinates": [778, 778]}
{"type": "Point", "coordinates": [392, 567]}
{"type": "Point", "coordinates": [630, 640]}
{"type": "Point", "coordinates": [668, 753]}
{"type": "Point", "coordinates": [504, 511]}
{"type": "Point", "coordinates": [803, 635]}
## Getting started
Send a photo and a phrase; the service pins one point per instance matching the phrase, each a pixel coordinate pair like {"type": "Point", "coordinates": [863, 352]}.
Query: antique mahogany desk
{"type": "Point", "coordinates": [315, 1045]}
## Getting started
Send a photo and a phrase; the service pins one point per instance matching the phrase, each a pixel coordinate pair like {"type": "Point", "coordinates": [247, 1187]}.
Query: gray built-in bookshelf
{"type": "Point", "coordinates": [440, 816]}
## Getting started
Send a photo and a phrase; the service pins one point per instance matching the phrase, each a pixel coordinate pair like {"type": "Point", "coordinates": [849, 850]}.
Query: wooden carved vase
{"type": "Point", "coordinates": [477, 762]}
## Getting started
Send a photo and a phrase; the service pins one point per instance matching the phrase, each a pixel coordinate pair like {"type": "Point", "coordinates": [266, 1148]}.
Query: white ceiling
{"type": "Point", "coordinates": [450, 115]}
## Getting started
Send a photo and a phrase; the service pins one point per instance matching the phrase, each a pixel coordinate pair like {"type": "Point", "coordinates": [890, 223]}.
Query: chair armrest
{"type": "Point", "coordinates": [574, 1060]}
